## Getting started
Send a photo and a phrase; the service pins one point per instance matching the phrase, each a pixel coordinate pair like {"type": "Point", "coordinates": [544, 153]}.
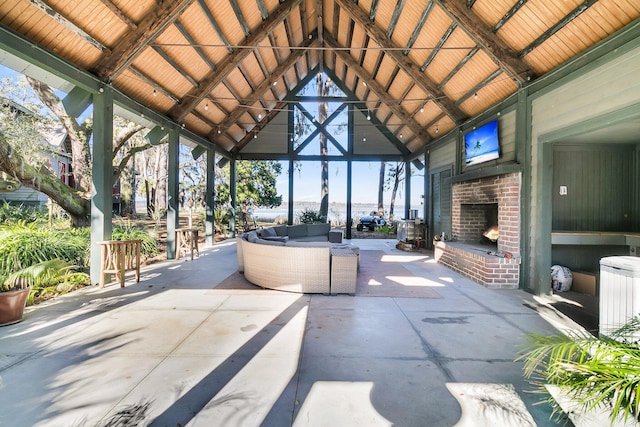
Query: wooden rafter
{"type": "Point", "coordinates": [420, 78]}
{"type": "Point", "coordinates": [374, 10]}
{"type": "Point", "coordinates": [557, 27]}
{"type": "Point", "coordinates": [497, 49]}
{"type": "Point", "coordinates": [213, 78]}
{"type": "Point", "coordinates": [264, 13]}
{"type": "Point", "coordinates": [240, 17]}
{"type": "Point", "coordinates": [185, 33]}
{"type": "Point", "coordinates": [378, 90]}
{"type": "Point", "coordinates": [174, 65]}
{"type": "Point", "coordinates": [214, 24]}
{"type": "Point", "coordinates": [116, 11]}
{"type": "Point", "coordinates": [416, 31]}
{"type": "Point", "coordinates": [439, 45]}
{"type": "Point", "coordinates": [394, 18]}
{"type": "Point", "coordinates": [54, 14]}
{"type": "Point", "coordinates": [515, 8]}
{"type": "Point", "coordinates": [263, 87]}
{"type": "Point", "coordinates": [458, 67]}
{"type": "Point", "coordinates": [474, 90]}
{"type": "Point", "coordinates": [112, 62]}
{"type": "Point", "coordinates": [156, 86]}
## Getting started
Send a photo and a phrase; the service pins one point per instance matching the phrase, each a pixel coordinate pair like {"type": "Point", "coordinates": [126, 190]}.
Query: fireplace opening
{"type": "Point", "coordinates": [479, 223]}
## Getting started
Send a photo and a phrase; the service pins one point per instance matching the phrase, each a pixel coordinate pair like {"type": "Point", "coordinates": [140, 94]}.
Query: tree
{"type": "Point", "coordinates": [381, 178]}
{"type": "Point", "coordinates": [255, 184]}
{"type": "Point", "coordinates": [35, 172]}
{"type": "Point", "coordinates": [396, 175]}
{"type": "Point", "coordinates": [323, 88]}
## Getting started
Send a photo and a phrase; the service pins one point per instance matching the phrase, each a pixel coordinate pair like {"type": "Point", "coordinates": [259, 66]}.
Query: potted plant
{"type": "Point", "coordinates": [595, 375]}
{"type": "Point", "coordinates": [13, 300]}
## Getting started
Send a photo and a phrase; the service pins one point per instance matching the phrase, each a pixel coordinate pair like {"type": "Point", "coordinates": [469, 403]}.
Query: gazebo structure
{"type": "Point", "coordinates": [559, 78]}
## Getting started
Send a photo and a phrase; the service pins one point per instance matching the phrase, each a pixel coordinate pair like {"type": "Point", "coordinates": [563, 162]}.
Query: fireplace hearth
{"type": "Point", "coordinates": [476, 206]}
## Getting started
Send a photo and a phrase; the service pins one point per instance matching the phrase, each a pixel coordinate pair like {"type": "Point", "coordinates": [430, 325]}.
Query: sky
{"type": "Point", "coordinates": [307, 181]}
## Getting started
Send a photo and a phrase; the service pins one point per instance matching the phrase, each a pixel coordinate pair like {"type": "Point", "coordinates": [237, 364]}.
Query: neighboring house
{"type": "Point", "coordinates": [55, 141]}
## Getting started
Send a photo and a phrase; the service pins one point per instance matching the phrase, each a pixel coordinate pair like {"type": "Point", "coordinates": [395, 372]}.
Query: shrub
{"type": "Point", "coordinates": [126, 231]}
{"type": "Point", "coordinates": [11, 214]}
{"type": "Point", "coordinates": [311, 216]}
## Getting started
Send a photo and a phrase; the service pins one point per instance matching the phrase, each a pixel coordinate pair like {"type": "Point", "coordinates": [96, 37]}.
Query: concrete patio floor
{"type": "Point", "coordinates": [174, 351]}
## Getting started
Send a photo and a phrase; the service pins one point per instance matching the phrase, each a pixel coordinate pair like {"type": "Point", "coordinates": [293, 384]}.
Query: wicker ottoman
{"type": "Point", "coordinates": [344, 270]}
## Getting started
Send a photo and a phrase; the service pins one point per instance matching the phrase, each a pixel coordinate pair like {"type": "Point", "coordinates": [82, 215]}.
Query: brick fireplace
{"type": "Point", "coordinates": [475, 206]}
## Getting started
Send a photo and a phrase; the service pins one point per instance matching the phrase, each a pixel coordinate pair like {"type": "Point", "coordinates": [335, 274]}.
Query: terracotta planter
{"type": "Point", "coordinates": [12, 306]}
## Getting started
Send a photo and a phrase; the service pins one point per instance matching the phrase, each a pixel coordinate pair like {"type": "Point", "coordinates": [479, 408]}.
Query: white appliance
{"type": "Point", "coordinates": [619, 292]}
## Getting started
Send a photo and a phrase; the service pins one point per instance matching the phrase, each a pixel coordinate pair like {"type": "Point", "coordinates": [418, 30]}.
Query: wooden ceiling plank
{"type": "Point", "coordinates": [476, 88]}
{"type": "Point", "coordinates": [497, 49]}
{"type": "Point", "coordinates": [458, 67]}
{"type": "Point", "coordinates": [418, 28]}
{"type": "Point", "coordinates": [378, 89]}
{"type": "Point", "coordinates": [265, 86]}
{"type": "Point", "coordinates": [58, 17]}
{"type": "Point", "coordinates": [240, 17]}
{"type": "Point", "coordinates": [514, 9]}
{"type": "Point", "coordinates": [157, 86]}
{"type": "Point", "coordinates": [121, 55]}
{"type": "Point", "coordinates": [174, 64]}
{"type": "Point", "coordinates": [394, 18]}
{"type": "Point", "coordinates": [437, 48]}
{"type": "Point", "coordinates": [124, 18]}
{"type": "Point", "coordinates": [558, 26]}
{"type": "Point", "coordinates": [215, 25]}
{"type": "Point", "coordinates": [194, 44]}
{"type": "Point", "coordinates": [214, 78]}
{"type": "Point", "coordinates": [378, 36]}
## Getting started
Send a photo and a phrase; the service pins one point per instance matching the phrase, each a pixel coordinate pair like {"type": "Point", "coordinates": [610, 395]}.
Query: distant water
{"type": "Point", "coordinates": [337, 213]}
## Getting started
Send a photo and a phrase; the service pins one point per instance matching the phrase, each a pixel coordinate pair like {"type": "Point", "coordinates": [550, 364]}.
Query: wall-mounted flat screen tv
{"type": "Point", "coordinates": [482, 144]}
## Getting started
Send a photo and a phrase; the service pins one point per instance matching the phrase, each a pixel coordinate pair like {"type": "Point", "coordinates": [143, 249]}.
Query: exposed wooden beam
{"type": "Point", "coordinates": [379, 90]}
{"type": "Point", "coordinates": [558, 26]}
{"type": "Point", "coordinates": [394, 18]}
{"type": "Point", "coordinates": [458, 67]}
{"type": "Point", "coordinates": [262, 88]}
{"type": "Point", "coordinates": [373, 10]}
{"type": "Point", "coordinates": [214, 24]}
{"type": "Point", "coordinates": [416, 31]}
{"type": "Point", "coordinates": [514, 9]}
{"type": "Point", "coordinates": [320, 31]}
{"type": "Point", "coordinates": [493, 45]}
{"type": "Point", "coordinates": [193, 43]}
{"type": "Point", "coordinates": [439, 45]}
{"type": "Point", "coordinates": [240, 17]}
{"type": "Point", "coordinates": [213, 78]}
{"type": "Point", "coordinates": [264, 13]}
{"type": "Point", "coordinates": [112, 62]}
{"type": "Point", "coordinates": [406, 64]}
{"type": "Point", "coordinates": [156, 86]}
{"type": "Point", "coordinates": [116, 11]}
{"type": "Point", "coordinates": [174, 64]}
{"type": "Point", "coordinates": [55, 15]}
{"type": "Point", "coordinates": [479, 86]}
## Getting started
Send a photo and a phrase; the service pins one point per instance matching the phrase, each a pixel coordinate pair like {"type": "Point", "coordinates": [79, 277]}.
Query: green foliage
{"type": "Point", "coordinates": [386, 229]}
{"type": "Point", "coordinates": [23, 245]}
{"type": "Point", "coordinates": [13, 213]}
{"type": "Point", "coordinates": [594, 371]}
{"type": "Point", "coordinates": [256, 184]}
{"type": "Point", "coordinates": [311, 216]}
{"type": "Point", "coordinates": [46, 279]}
{"type": "Point", "coordinates": [126, 231]}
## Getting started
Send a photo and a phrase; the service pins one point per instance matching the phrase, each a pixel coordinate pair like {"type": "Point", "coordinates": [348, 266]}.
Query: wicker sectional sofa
{"type": "Point", "coordinates": [295, 258]}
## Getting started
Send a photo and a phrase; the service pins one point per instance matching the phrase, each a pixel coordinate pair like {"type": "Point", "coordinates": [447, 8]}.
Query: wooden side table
{"type": "Point", "coordinates": [118, 256]}
{"type": "Point", "coordinates": [187, 242]}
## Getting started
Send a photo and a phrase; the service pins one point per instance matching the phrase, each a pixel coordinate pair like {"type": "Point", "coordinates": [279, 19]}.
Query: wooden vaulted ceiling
{"type": "Point", "coordinates": [224, 69]}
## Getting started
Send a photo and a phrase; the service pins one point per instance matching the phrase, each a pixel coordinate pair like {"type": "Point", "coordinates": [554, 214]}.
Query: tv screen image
{"type": "Point", "coordinates": [482, 144]}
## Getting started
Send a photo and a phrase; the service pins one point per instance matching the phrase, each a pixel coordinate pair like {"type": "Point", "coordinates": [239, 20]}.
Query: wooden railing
{"type": "Point", "coordinates": [119, 256]}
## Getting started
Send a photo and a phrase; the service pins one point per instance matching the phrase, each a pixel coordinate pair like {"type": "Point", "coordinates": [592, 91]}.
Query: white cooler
{"type": "Point", "coordinates": [619, 291]}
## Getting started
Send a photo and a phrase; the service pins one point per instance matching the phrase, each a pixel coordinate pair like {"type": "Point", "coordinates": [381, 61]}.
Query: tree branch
{"type": "Point", "coordinates": [117, 170]}
{"type": "Point", "coordinates": [122, 139]}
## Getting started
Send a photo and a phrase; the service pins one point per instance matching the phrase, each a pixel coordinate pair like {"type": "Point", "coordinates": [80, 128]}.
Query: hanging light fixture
{"type": "Point", "coordinates": [368, 115]}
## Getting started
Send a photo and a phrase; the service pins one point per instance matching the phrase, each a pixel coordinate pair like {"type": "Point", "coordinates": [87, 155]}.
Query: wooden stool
{"type": "Point", "coordinates": [186, 242]}
{"type": "Point", "coordinates": [118, 256]}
